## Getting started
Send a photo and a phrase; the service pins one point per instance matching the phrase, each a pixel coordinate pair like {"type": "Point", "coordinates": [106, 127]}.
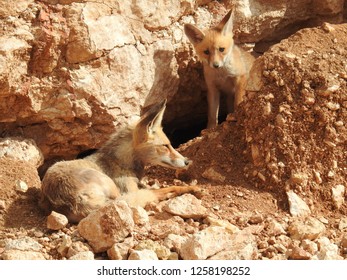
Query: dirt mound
{"type": "Point", "coordinates": [295, 116]}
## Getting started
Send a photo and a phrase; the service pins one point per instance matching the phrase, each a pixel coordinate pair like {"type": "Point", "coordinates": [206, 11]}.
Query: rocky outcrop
{"type": "Point", "coordinates": [74, 71]}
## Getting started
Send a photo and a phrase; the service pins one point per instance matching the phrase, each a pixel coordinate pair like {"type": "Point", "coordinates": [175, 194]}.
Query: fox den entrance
{"type": "Point", "coordinates": [183, 129]}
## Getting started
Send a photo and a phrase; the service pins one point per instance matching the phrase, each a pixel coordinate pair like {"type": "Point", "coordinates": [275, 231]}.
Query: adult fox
{"type": "Point", "coordinates": [77, 187]}
{"type": "Point", "coordinates": [226, 66]}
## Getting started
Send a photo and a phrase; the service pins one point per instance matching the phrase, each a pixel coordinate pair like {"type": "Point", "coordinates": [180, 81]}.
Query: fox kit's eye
{"type": "Point", "coordinates": [221, 49]}
{"type": "Point", "coordinates": [207, 52]}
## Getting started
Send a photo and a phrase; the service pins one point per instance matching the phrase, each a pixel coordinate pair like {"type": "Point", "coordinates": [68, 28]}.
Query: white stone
{"type": "Point", "coordinates": [297, 207]}
{"type": "Point", "coordinates": [87, 255]}
{"type": "Point", "coordinates": [338, 195]}
{"type": "Point", "coordinates": [142, 255]}
{"type": "Point", "coordinates": [308, 228]}
{"type": "Point", "coordinates": [186, 206]}
{"type": "Point", "coordinates": [56, 221]}
{"type": "Point", "coordinates": [205, 243]}
{"type": "Point", "coordinates": [21, 186]}
{"type": "Point", "coordinates": [107, 225]}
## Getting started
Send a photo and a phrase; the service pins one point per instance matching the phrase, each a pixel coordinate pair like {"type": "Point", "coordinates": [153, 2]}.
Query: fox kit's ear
{"type": "Point", "coordinates": [151, 120]}
{"type": "Point", "coordinates": [226, 24]}
{"type": "Point", "coordinates": [194, 34]}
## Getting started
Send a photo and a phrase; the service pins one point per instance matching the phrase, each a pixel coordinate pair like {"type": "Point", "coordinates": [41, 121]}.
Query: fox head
{"type": "Point", "coordinates": [213, 46]}
{"type": "Point", "coordinates": [152, 145]}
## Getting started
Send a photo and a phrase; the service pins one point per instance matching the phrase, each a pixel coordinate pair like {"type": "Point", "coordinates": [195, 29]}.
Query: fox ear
{"type": "Point", "coordinates": [194, 34]}
{"type": "Point", "coordinates": [151, 120]}
{"type": "Point", "coordinates": [158, 118]}
{"type": "Point", "coordinates": [226, 24]}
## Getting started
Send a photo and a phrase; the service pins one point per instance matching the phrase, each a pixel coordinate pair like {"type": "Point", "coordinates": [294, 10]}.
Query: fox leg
{"type": "Point", "coordinates": [240, 87]}
{"type": "Point", "coordinates": [172, 191]}
{"type": "Point", "coordinates": [213, 96]}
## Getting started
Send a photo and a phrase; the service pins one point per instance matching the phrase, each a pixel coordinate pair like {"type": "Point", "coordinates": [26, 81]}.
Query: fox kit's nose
{"type": "Point", "coordinates": [216, 65]}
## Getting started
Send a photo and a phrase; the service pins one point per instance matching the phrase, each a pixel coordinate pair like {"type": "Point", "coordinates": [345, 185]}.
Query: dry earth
{"type": "Point", "coordinates": [290, 134]}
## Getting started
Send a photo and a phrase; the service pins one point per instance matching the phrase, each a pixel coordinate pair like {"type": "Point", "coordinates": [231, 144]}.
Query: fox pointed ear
{"type": "Point", "coordinates": [226, 24]}
{"type": "Point", "coordinates": [194, 34]}
{"type": "Point", "coordinates": [158, 117]}
{"type": "Point", "coordinates": [150, 121]}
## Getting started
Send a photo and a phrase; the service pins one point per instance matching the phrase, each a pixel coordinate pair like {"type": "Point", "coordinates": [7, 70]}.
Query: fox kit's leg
{"type": "Point", "coordinates": [240, 87]}
{"type": "Point", "coordinates": [213, 96]}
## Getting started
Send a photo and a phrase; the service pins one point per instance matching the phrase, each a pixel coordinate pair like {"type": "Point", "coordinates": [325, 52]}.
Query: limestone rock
{"type": "Point", "coordinates": [174, 242]}
{"type": "Point", "coordinates": [205, 243]}
{"type": "Point", "coordinates": [21, 149]}
{"type": "Point", "coordinates": [88, 255]}
{"type": "Point", "coordinates": [242, 246]}
{"type": "Point", "coordinates": [140, 216]}
{"type": "Point", "coordinates": [56, 221]}
{"type": "Point", "coordinates": [107, 225]}
{"type": "Point", "coordinates": [327, 250]}
{"type": "Point", "coordinates": [24, 248]}
{"type": "Point", "coordinates": [65, 245]}
{"type": "Point", "coordinates": [21, 186]}
{"type": "Point", "coordinates": [230, 228]}
{"type": "Point", "coordinates": [297, 207]}
{"type": "Point", "coordinates": [338, 195]}
{"type": "Point", "coordinates": [142, 255]}
{"type": "Point", "coordinates": [309, 228]}
{"type": "Point", "coordinates": [186, 206]}
{"type": "Point", "coordinates": [162, 252]}
{"type": "Point", "coordinates": [76, 248]}
{"type": "Point", "coordinates": [120, 251]}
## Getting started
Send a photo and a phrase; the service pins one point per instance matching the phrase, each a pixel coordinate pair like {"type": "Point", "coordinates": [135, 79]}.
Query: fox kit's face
{"type": "Point", "coordinates": [212, 46]}
{"type": "Point", "coordinates": [152, 145]}
{"type": "Point", "coordinates": [214, 49]}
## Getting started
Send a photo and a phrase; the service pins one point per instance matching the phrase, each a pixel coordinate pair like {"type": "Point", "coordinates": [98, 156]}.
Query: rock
{"type": "Point", "coordinates": [309, 246]}
{"type": "Point", "coordinates": [256, 219]}
{"type": "Point", "coordinates": [22, 255]}
{"type": "Point", "coordinates": [213, 175]}
{"type": "Point", "coordinates": [327, 250]}
{"type": "Point", "coordinates": [142, 255]}
{"type": "Point", "coordinates": [56, 221]}
{"type": "Point", "coordinates": [344, 241]}
{"type": "Point", "coordinates": [163, 226]}
{"type": "Point", "coordinates": [242, 246]}
{"type": "Point", "coordinates": [338, 195]}
{"type": "Point", "coordinates": [24, 248]}
{"type": "Point", "coordinates": [297, 207]}
{"type": "Point", "coordinates": [120, 251]}
{"type": "Point", "coordinates": [308, 228]}
{"type": "Point", "coordinates": [297, 253]}
{"type": "Point", "coordinates": [65, 245]}
{"type": "Point", "coordinates": [88, 255]}
{"type": "Point", "coordinates": [76, 248]}
{"type": "Point", "coordinates": [2, 204]}
{"type": "Point", "coordinates": [205, 243]}
{"type": "Point", "coordinates": [343, 223]}
{"type": "Point", "coordinates": [174, 242]}
{"type": "Point", "coordinates": [21, 149]}
{"type": "Point", "coordinates": [274, 228]}
{"type": "Point", "coordinates": [186, 206]}
{"type": "Point", "coordinates": [21, 186]}
{"type": "Point", "coordinates": [107, 225]}
{"type": "Point", "coordinates": [140, 216]}
{"type": "Point", "coordinates": [230, 228]}
{"type": "Point", "coordinates": [162, 252]}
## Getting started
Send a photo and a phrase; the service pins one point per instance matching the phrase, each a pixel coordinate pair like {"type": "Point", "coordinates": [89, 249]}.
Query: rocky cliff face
{"type": "Point", "coordinates": [71, 72]}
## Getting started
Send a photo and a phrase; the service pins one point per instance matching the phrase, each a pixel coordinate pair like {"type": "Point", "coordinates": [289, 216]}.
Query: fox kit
{"type": "Point", "coordinates": [77, 187]}
{"type": "Point", "coordinates": [226, 66]}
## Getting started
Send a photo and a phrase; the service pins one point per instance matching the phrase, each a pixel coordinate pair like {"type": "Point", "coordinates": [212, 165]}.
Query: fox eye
{"type": "Point", "coordinates": [207, 52]}
{"type": "Point", "coordinates": [221, 49]}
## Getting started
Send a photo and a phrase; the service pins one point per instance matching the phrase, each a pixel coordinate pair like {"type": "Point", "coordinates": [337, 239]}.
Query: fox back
{"type": "Point", "coordinates": [226, 66]}
{"type": "Point", "coordinates": [77, 187]}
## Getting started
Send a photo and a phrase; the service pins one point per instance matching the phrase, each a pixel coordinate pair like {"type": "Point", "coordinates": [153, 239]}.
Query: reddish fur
{"type": "Point", "coordinates": [226, 66]}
